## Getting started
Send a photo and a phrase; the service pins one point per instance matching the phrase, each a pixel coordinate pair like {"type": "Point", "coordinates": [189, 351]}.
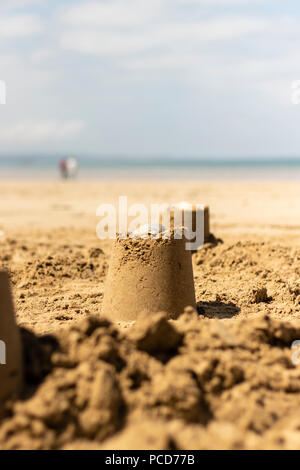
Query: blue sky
{"type": "Point", "coordinates": [182, 78]}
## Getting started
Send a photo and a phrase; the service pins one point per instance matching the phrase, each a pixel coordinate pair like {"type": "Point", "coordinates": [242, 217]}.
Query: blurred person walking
{"type": "Point", "coordinates": [68, 167]}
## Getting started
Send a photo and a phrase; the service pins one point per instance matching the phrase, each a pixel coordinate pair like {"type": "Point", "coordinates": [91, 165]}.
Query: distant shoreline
{"type": "Point", "coordinates": [103, 162]}
{"type": "Point", "coordinates": [156, 173]}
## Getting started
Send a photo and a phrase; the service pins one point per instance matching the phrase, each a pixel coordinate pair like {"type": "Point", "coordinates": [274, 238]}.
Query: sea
{"type": "Point", "coordinates": [106, 168]}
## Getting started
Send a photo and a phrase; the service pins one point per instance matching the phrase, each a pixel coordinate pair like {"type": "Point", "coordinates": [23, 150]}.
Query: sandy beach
{"type": "Point", "coordinates": [226, 381]}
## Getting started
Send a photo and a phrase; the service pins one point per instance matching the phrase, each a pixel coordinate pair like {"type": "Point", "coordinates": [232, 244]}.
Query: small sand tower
{"type": "Point", "coordinates": [148, 275]}
{"type": "Point", "coordinates": [10, 344]}
{"type": "Point", "coordinates": [185, 208]}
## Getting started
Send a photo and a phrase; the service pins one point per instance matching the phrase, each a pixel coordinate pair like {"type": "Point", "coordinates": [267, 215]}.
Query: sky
{"type": "Point", "coordinates": [150, 78]}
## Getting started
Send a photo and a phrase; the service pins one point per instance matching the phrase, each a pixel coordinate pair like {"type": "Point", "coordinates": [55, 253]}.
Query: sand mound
{"type": "Point", "coordinates": [190, 383]}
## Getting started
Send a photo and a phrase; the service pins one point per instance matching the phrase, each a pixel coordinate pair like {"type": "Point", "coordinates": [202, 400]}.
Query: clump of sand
{"type": "Point", "coordinates": [184, 384]}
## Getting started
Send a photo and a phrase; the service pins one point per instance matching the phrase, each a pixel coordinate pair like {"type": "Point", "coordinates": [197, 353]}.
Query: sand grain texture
{"type": "Point", "coordinates": [221, 377]}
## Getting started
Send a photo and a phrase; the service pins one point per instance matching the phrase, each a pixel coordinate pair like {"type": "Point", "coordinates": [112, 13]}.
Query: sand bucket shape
{"type": "Point", "coordinates": [184, 208]}
{"type": "Point", "coordinates": [148, 275]}
{"type": "Point", "coordinates": [10, 344]}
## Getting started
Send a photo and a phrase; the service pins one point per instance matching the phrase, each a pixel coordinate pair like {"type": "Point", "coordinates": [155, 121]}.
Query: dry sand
{"type": "Point", "coordinates": [219, 378]}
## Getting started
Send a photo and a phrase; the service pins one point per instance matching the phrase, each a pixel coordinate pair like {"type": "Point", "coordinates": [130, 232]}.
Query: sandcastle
{"type": "Point", "coordinates": [10, 344]}
{"type": "Point", "coordinates": [148, 275]}
{"type": "Point", "coordinates": [195, 213]}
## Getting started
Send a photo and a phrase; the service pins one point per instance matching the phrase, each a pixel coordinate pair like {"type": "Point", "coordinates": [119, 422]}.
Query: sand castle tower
{"type": "Point", "coordinates": [179, 213]}
{"type": "Point", "coordinates": [10, 344]}
{"type": "Point", "coordinates": [148, 275]}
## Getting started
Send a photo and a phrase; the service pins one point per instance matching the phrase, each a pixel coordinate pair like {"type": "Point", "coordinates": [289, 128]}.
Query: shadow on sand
{"type": "Point", "coordinates": [218, 309]}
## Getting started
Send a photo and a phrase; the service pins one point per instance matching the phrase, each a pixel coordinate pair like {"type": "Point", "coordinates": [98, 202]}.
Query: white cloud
{"type": "Point", "coordinates": [214, 30]}
{"type": "Point", "coordinates": [217, 2]}
{"type": "Point", "coordinates": [14, 4]}
{"type": "Point", "coordinates": [43, 55]}
{"type": "Point", "coordinates": [109, 42]}
{"type": "Point", "coordinates": [18, 26]}
{"type": "Point", "coordinates": [133, 12]}
{"type": "Point", "coordinates": [113, 13]}
{"type": "Point", "coordinates": [36, 132]}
